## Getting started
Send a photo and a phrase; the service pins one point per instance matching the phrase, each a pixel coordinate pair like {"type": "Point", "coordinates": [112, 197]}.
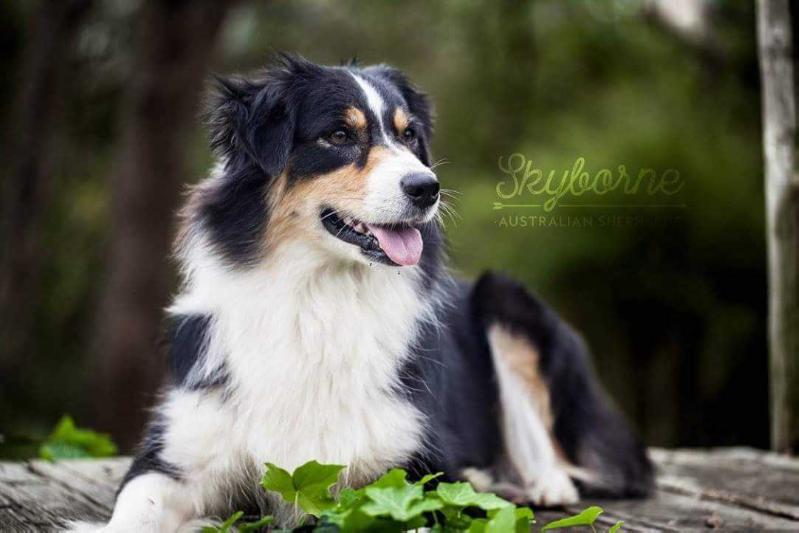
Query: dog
{"type": "Point", "coordinates": [317, 321]}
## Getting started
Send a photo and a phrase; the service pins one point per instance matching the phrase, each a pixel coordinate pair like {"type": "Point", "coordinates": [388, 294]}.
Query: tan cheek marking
{"type": "Point", "coordinates": [401, 120]}
{"type": "Point", "coordinates": [294, 209]}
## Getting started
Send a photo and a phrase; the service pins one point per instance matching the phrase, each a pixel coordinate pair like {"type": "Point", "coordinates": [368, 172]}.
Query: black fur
{"type": "Point", "coordinates": [188, 345]}
{"type": "Point", "coordinates": [148, 457]}
{"type": "Point", "coordinates": [588, 428]}
{"type": "Point", "coordinates": [451, 379]}
{"type": "Point", "coordinates": [272, 126]}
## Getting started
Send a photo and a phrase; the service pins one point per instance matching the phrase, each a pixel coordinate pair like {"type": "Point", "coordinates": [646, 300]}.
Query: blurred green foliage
{"type": "Point", "coordinates": [675, 313]}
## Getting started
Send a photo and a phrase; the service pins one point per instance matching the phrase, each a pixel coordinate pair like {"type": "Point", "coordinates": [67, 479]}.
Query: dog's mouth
{"type": "Point", "coordinates": [392, 244]}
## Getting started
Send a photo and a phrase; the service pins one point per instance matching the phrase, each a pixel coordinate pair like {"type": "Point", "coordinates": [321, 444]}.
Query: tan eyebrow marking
{"type": "Point", "coordinates": [401, 120]}
{"type": "Point", "coordinates": [355, 118]}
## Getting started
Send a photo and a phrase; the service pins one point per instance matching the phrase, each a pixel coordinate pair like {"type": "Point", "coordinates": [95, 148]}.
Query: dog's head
{"type": "Point", "coordinates": [337, 157]}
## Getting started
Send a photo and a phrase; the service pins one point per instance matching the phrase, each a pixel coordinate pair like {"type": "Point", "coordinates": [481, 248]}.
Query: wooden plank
{"type": "Point", "coordinates": [32, 501]}
{"type": "Point", "coordinates": [745, 478]}
{"type": "Point", "coordinates": [726, 489]}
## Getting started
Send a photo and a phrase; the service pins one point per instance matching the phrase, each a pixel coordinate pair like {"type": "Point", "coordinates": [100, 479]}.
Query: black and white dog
{"type": "Point", "coordinates": [317, 320]}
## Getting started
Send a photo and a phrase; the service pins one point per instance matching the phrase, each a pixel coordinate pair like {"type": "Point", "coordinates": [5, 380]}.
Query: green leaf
{"type": "Point", "coordinates": [313, 482]}
{"type": "Point", "coordinates": [504, 521]}
{"type": "Point", "coordinates": [349, 497]}
{"type": "Point", "coordinates": [225, 526]}
{"type": "Point", "coordinates": [396, 477]}
{"type": "Point", "coordinates": [478, 525]}
{"type": "Point", "coordinates": [428, 478]}
{"type": "Point", "coordinates": [616, 527]}
{"type": "Point", "coordinates": [462, 494]}
{"type": "Point", "coordinates": [248, 527]}
{"type": "Point", "coordinates": [585, 518]}
{"type": "Point", "coordinates": [309, 486]}
{"type": "Point", "coordinates": [314, 475]}
{"type": "Point", "coordinates": [524, 519]}
{"type": "Point", "coordinates": [67, 441]}
{"type": "Point", "coordinates": [402, 503]}
{"type": "Point", "coordinates": [278, 480]}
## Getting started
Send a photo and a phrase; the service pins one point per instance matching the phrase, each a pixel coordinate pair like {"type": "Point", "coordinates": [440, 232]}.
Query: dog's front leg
{"type": "Point", "coordinates": [150, 502]}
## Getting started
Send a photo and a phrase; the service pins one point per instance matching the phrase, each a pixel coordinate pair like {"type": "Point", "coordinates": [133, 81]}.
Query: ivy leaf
{"type": "Point", "coordinates": [524, 519]}
{"type": "Point", "coordinates": [225, 526]}
{"type": "Point", "coordinates": [309, 486]}
{"type": "Point", "coordinates": [67, 441]}
{"type": "Point", "coordinates": [396, 477]}
{"type": "Point", "coordinates": [278, 480]}
{"type": "Point", "coordinates": [462, 494]}
{"type": "Point", "coordinates": [478, 525]}
{"type": "Point", "coordinates": [504, 521]}
{"type": "Point", "coordinates": [248, 527]}
{"type": "Point", "coordinates": [616, 527]}
{"type": "Point", "coordinates": [586, 517]}
{"type": "Point", "coordinates": [428, 478]}
{"type": "Point", "coordinates": [400, 503]}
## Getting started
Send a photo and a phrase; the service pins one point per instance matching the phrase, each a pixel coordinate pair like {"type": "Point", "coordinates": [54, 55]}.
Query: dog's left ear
{"type": "Point", "coordinates": [252, 121]}
{"type": "Point", "coordinates": [417, 101]}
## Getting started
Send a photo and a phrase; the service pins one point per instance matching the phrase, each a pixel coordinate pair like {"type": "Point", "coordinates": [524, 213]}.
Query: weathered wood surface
{"type": "Point", "coordinates": [731, 489]}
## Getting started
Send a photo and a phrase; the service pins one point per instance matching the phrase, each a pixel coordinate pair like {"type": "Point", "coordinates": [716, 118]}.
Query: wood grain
{"type": "Point", "coordinates": [724, 489]}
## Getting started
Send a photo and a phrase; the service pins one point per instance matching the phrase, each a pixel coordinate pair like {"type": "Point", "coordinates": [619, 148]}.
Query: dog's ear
{"type": "Point", "coordinates": [418, 103]}
{"type": "Point", "coordinates": [252, 120]}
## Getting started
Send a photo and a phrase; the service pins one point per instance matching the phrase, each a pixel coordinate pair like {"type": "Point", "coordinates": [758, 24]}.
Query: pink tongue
{"type": "Point", "coordinates": [402, 245]}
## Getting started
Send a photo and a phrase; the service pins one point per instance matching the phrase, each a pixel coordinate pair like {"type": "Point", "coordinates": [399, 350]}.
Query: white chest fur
{"type": "Point", "coordinates": [313, 353]}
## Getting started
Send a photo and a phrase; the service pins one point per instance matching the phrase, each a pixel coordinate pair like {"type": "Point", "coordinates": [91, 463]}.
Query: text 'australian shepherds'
{"type": "Point", "coordinates": [317, 321]}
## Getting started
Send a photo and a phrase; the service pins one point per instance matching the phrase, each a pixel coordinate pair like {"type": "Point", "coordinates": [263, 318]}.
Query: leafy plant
{"type": "Point", "coordinates": [309, 485]}
{"type": "Point", "coordinates": [245, 527]}
{"type": "Point", "coordinates": [67, 441]}
{"type": "Point", "coordinates": [392, 503]}
{"type": "Point", "coordinates": [586, 517]}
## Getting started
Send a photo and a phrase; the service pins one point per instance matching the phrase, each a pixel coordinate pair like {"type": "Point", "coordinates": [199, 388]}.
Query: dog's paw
{"type": "Point", "coordinates": [552, 488]}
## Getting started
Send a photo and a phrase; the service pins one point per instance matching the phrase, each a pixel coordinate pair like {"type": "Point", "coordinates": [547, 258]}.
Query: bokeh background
{"type": "Point", "coordinates": [100, 102]}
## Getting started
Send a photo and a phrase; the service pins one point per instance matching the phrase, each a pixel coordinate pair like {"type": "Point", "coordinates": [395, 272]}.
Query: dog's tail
{"type": "Point", "coordinates": [588, 430]}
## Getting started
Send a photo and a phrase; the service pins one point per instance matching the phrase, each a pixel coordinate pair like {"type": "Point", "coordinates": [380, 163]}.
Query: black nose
{"type": "Point", "coordinates": [421, 188]}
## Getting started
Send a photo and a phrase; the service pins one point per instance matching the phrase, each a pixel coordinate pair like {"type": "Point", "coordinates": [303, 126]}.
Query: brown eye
{"type": "Point", "coordinates": [409, 134]}
{"type": "Point", "coordinates": [339, 137]}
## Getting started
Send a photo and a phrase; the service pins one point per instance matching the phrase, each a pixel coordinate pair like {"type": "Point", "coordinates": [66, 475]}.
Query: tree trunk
{"type": "Point", "coordinates": [782, 212]}
{"type": "Point", "coordinates": [174, 46]}
{"type": "Point", "coordinates": [29, 162]}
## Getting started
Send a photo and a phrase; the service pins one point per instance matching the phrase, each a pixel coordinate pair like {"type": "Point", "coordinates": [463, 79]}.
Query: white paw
{"type": "Point", "coordinates": [552, 488]}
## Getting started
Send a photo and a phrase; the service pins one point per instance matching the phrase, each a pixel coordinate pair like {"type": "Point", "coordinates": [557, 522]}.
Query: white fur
{"type": "Point", "coordinates": [528, 442]}
{"type": "Point", "coordinates": [312, 347]}
{"type": "Point", "coordinates": [384, 197]}
{"type": "Point", "coordinates": [375, 102]}
{"type": "Point", "coordinates": [312, 343]}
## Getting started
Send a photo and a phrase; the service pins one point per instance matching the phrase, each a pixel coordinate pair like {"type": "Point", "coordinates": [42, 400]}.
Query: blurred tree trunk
{"type": "Point", "coordinates": [782, 212]}
{"type": "Point", "coordinates": [175, 41]}
{"type": "Point", "coordinates": [29, 162]}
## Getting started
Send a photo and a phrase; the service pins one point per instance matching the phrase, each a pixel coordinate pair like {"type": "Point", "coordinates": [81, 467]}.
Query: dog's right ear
{"type": "Point", "coordinates": [252, 121]}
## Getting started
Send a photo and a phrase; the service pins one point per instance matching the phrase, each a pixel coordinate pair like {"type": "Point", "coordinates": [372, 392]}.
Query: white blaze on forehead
{"type": "Point", "coordinates": [374, 100]}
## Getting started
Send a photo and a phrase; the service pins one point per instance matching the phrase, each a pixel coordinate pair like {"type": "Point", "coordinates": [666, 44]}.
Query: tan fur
{"type": "Point", "coordinates": [524, 359]}
{"type": "Point", "coordinates": [355, 118]}
{"type": "Point", "coordinates": [401, 120]}
{"type": "Point", "coordinates": [295, 208]}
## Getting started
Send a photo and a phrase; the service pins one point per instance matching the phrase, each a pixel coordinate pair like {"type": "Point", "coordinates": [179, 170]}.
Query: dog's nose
{"type": "Point", "coordinates": [421, 188]}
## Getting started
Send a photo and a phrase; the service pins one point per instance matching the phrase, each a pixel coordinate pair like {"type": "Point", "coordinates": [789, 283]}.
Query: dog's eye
{"type": "Point", "coordinates": [409, 134]}
{"type": "Point", "coordinates": [339, 137]}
